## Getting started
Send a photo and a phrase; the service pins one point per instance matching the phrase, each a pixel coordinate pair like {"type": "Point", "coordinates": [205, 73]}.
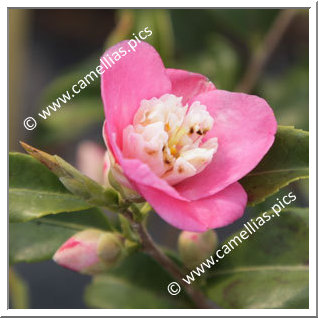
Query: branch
{"type": "Point", "coordinates": [151, 249]}
{"type": "Point", "coordinates": [264, 51]}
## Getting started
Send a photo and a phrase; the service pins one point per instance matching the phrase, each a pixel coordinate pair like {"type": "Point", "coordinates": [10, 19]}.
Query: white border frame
{"type": "Point", "coordinates": [312, 166]}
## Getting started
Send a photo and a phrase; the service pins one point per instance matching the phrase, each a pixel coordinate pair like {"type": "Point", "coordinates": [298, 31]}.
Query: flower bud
{"type": "Point", "coordinates": [194, 248]}
{"type": "Point", "coordinates": [91, 251]}
{"type": "Point", "coordinates": [89, 152]}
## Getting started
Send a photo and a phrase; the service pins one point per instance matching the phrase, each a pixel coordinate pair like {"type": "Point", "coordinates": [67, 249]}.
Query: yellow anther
{"type": "Point", "coordinates": [175, 138]}
{"type": "Point", "coordinates": [173, 150]}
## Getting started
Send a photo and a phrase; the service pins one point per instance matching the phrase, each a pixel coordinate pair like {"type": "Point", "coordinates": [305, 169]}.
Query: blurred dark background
{"type": "Point", "coordinates": [263, 52]}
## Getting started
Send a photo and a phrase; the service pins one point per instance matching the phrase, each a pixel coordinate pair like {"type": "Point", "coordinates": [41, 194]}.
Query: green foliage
{"type": "Point", "coordinates": [219, 62]}
{"type": "Point", "coordinates": [19, 297]}
{"type": "Point", "coordinates": [83, 111]}
{"type": "Point", "coordinates": [287, 93]}
{"type": "Point", "coordinates": [39, 239]}
{"type": "Point", "coordinates": [139, 282]}
{"type": "Point", "coordinates": [273, 287]}
{"type": "Point", "coordinates": [269, 269]}
{"type": "Point", "coordinates": [248, 26]}
{"type": "Point", "coordinates": [286, 161]}
{"type": "Point", "coordinates": [133, 21]}
{"type": "Point", "coordinates": [77, 183]}
{"type": "Point", "coordinates": [34, 191]}
{"type": "Point", "coordinates": [219, 43]}
{"type": "Point", "coordinates": [66, 80]}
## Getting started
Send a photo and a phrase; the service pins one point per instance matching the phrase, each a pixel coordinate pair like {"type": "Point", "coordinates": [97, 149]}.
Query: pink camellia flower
{"type": "Point", "coordinates": [180, 143]}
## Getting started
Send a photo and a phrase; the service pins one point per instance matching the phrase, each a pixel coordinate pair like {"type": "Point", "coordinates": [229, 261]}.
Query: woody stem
{"type": "Point", "coordinates": [151, 249]}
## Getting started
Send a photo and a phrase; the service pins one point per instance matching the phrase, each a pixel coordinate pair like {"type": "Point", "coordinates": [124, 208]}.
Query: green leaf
{"type": "Point", "coordinates": [18, 288]}
{"type": "Point", "coordinates": [82, 112]}
{"type": "Point", "coordinates": [286, 161]}
{"type": "Point", "coordinates": [77, 183]}
{"type": "Point", "coordinates": [267, 270]}
{"type": "Point", "coordinates": [139, 282]}
{"type": "Point", "coordinates": [38, 240]}
{"type": "Point", "coordinates": [34, 191]}
{"type": "Point", "coordinates": [159, 22]}
{"type": "Point", "coordinates": [284, 287]}
{"type": "Point", "coordinates": [286, 91]}
{"type": "Point", "coordinates": [303, 213]}
{"type": "Point", "coordinates": [136, 20]}
{"type": "Point", "coordinates": [250, 26]}
{"type": "Point", "coordinates": [219, 62]}
{"type": "Point", "coordinates": [70, 77]}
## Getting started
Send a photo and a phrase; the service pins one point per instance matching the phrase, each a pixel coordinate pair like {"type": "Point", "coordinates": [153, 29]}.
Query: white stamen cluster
{"type": "Point", "coordinates": [169, 137]}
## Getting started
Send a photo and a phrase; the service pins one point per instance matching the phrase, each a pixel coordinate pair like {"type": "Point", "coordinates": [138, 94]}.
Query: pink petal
{"type": "Point", "coordinates": [245, 126]}
{"type": "Point", "coordinates": [135, 76]}
{"type": "Point", "coordinates": [187, 84]}
{"type": "Point", "coordinates": [215, 211]}
{"type": "Point", "coordinates": [90, 160]}
{"type": "Point", "coordinates": [138, 172]}
{"type": "Point", "coordinates": [76, 255]}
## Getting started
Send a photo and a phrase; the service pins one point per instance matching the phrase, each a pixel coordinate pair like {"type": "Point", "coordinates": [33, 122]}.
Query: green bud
{"type": "Point", "coordinates": [111, 248]}
{"type": "Point", "coordinates": [194, 248]}
{"type": "Point", "coordinates": [119, 182]}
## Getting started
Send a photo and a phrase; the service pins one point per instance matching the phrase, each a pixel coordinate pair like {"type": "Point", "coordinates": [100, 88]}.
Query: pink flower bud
{"type": "Point", "coordinates": [194, 248]}
{"type": "Point", "coordinates": [90, 159]}
{"type": "Point", "coordinates": [91, 251]}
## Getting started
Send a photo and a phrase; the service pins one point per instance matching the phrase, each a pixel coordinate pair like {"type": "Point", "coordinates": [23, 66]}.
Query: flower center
{"type": "Point", "coordinates": [169, 137]}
